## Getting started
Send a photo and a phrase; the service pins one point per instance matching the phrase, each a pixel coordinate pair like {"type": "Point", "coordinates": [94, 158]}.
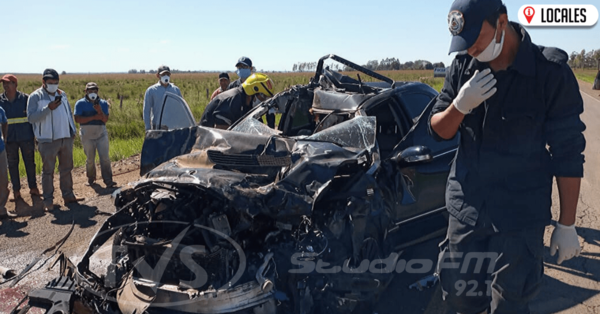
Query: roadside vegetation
{"type": "Point", "coordinates": [125, 93]}
{"type": "Point", "coordinates": [586, 75]}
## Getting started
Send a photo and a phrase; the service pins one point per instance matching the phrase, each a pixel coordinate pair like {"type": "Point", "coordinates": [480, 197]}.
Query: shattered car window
{"type": "Point", "coordinates": [252, 126]}
{"type": "Point", "coordinates": [358, 132]}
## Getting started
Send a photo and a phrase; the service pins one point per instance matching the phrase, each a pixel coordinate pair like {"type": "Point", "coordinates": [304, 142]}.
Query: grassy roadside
{"type": "Point", "coordinates": [586, 75]}
{"type": "Point", "coordinates": [119, 149]}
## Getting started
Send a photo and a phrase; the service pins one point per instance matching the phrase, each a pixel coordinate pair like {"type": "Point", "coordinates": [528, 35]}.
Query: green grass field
{"type": "Point", "coordinates": [586, 75]}
{"type": "Point", "coordinates": [126, 126]}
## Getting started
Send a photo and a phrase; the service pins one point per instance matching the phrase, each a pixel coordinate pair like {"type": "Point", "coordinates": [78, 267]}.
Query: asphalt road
{"type": "Point", "coordinates": [573, 287]}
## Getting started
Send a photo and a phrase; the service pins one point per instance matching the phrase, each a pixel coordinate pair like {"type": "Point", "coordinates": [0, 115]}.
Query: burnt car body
{"type": "Point", "coordinates": [306, 218]}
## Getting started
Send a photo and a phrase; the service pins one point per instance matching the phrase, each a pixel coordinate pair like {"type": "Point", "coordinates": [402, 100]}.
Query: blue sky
{"type": "Point", "coordinates": [115, 36]}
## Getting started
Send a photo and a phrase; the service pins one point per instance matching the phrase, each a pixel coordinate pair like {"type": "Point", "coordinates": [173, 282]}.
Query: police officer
{"type": "Point", "coordinates": [509, 99]}
{"type": "Point", "coordinates": [232, 104]}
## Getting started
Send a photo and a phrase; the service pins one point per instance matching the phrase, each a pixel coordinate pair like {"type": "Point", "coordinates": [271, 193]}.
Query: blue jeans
{"type": "Point", "coordinates": [510, 273]}
{"type": "Point", "coordinates": [28, 152]}
{"type": "Point", "coordinates": [94, 138]}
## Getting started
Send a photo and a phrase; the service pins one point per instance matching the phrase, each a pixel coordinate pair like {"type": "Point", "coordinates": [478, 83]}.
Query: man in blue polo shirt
{"type": "Point", "coordinates": [91, 113]}
{"type": "Point", "coordinates": [3, 166]}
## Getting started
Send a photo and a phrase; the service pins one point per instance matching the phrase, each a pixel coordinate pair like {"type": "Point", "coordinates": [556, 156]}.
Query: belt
{"type": "Point", "coordinates": [17, 120]}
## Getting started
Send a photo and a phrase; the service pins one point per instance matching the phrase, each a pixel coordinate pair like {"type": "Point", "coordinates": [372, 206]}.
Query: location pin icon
{"type": "Point", "coordinates": [529, 12]}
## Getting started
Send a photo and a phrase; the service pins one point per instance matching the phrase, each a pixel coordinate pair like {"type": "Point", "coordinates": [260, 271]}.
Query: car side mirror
{"type": "Point", "coordinates": [413, 154]}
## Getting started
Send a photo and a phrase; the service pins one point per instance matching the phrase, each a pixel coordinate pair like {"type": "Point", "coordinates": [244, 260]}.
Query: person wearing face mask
{"type": "Point", "coordinates": [517, 108]}
{"type": "Point", "coordinates": [153, 99]}
{"type": "Point", "coordinates": [232, 104]}
{"type": "Point", "coordinates": [20, 136]}
{"type": "Point", "coordinates": [91, 113]}
{"type": "Point", "coordinates": [244, 70]}
{"type": "Point", "coordinates": [49, 111]}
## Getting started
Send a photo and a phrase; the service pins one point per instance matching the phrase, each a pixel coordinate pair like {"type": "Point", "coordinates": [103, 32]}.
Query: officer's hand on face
{"type": "Point", "coordinates": [564, 239]}
{"type": "Point", "coordinates": [478, 89]}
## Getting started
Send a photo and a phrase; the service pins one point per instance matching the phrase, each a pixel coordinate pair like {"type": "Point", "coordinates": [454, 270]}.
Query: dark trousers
{"type": "Point", "coordinates": [28, 152]}
{"type": "Point", "coordinates": [510, 267]}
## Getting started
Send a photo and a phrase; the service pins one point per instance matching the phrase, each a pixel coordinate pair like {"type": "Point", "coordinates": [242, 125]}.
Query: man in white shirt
{"type": "Point", "coordinates": [49, 112]}
{"type": "Point", "coordinates": [153, 100]}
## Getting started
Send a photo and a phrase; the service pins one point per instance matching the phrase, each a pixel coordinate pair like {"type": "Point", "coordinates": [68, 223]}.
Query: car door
{"type": "Point", "coordinates": [423, 184]}
{"type": "Point", "coordinates": [175, 135]}
{"type": "Point", "coordinates": [175, 113]}
{"type": "Point", "coordinates": [418, 189]}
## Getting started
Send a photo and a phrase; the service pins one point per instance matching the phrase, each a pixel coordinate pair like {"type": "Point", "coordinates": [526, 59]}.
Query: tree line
{"type": "Point", "coordinates": [583, 59]}
{"type": "Point", "coordinates": [384, 64]}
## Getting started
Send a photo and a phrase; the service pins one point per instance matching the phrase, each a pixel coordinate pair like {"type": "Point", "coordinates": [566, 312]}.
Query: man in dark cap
{"type": "Point", "coordinates": [91, 112]}
{"type": "Point", "coordinates": [19, 137]}
{"type": "Point", "coordinates": [49, 111]}
{"type": "Point", "coordinates": [153, 99]}
{"type": "Point", "coordinates": [243, 70]}
{"type": "Point", "coordinates": [223, 82]}
{"type": "Point", "coordinates": [517, 107]}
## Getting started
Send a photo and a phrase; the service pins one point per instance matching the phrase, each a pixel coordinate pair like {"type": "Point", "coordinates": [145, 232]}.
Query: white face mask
{"type": "Point", "coordinates": [493, 49]}
{"type": "Point", "coordinates": [165, 79]}
{"type": "Point", "coordinates": [51, 88]}
{"type": "Point", "coordinates": [92, 96]}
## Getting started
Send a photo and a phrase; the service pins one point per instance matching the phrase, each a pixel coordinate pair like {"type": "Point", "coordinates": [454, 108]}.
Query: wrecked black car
{"type": "Point", "coordinates": [309, 217]}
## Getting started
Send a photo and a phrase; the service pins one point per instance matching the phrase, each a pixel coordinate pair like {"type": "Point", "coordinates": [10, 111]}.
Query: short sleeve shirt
{"type": "Point", "coordinates": [84, 108]}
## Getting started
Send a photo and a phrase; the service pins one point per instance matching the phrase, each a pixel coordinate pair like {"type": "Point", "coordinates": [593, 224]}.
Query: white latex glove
{"type": "Point", "coordinates": [564, 239]}
{"type": "Point", "coordinates": [478, 89]}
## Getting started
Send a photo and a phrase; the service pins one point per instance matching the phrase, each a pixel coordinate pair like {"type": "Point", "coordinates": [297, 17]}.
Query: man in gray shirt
{"type": "Point", "coordinates": [153, 100]}
{"type": "Point", "coordinates": [49, 112]}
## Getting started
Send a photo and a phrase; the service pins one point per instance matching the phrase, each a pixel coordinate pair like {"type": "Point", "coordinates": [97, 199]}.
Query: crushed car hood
{"type": "Point", "coordinates": [270, 175]}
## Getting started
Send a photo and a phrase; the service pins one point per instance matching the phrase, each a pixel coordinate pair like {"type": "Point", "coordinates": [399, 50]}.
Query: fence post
{"type": "Point", "coordinates": [207, 94]}
{"type": "Point", "coordinates": [121, 103]}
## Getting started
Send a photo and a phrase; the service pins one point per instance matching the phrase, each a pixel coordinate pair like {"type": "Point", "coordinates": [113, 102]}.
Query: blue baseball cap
{"type": "Point", "coordinates": [465, 20]}
{"type": "Point", "coordinates": [245, 61]}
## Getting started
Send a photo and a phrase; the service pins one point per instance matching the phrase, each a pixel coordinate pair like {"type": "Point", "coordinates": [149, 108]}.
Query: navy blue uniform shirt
{"type": "Point", "coordinates": [226, 108]}
{"type": "Point", "coordinates": [85, 108]}
{"type": "Point", "coordinates": [513, 144]}
{"type": "Point", "coordinates": [234, 84]}
{"type": "Point", "coordinates": [19, 129]}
